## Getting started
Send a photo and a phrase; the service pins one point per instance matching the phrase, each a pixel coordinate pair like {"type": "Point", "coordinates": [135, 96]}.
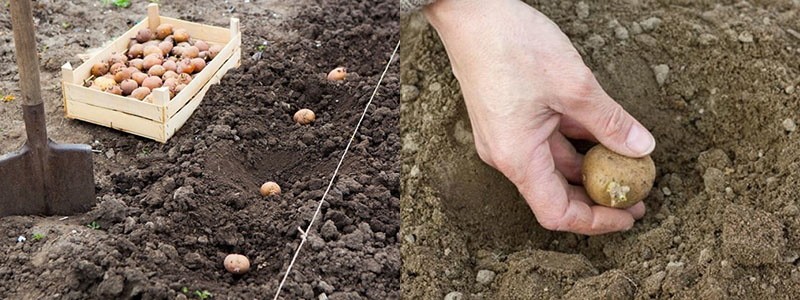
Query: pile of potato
{"type": "Point", "coordinates": [168, 57]}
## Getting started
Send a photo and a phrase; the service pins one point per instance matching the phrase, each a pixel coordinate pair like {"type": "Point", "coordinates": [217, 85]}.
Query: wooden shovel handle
{"type": "Point", "coordinates": [27, 54]}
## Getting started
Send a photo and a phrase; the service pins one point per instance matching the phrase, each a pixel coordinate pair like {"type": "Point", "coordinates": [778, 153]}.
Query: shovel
{"type": "Point", "coordinates": [41, 178]}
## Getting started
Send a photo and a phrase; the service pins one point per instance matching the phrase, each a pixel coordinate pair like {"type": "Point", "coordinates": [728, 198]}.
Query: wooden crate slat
{"type": "Point", "coordinates": [198, 82]}
{"type": "Point", "coordinates": [177, 121]}
{"type": "Point", "coordinates": [131, 106]}
{"type": "Point", "coordinates": [117, 120]}
{"type": "Point", "coordinates": [201, 31]}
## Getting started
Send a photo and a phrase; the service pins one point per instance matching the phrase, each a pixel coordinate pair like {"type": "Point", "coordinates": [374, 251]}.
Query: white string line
{"type": "Point", "coordinates": [304, 233]}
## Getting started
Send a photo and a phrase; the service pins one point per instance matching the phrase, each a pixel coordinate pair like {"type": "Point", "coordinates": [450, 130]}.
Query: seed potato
{"type": "Point", "coordinates": [152, 58]}
{"type": "Point", "coordinates": [304, 116]}
{"type": "Point", "coordinates": [615, 180]}
{"type": "Point", "coordinates": [140, 93]}
{"type": "Point", "coordinates": [270, 188]}
{"type": "Point", "coordinates": [337, 74]}
{"type": "Point", "coordinates": [163, 31]}
{"type": "Point", "coordinates": [180, 35]}
{"type": "Point", "coordinates": [144, 35]}
{"type": "Point", "coordinates": [237, 264]}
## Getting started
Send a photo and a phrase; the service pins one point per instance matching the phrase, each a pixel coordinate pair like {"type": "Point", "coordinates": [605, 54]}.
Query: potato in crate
{"type": "Point", "coordinates": [150, 80]}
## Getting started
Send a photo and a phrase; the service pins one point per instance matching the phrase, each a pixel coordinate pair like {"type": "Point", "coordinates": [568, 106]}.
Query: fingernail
{"type": "Point", "coordinates": [640, 141]}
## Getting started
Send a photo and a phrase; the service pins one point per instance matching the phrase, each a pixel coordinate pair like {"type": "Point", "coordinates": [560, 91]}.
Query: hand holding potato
{"type": "Point", "coordinates": [527, 89]}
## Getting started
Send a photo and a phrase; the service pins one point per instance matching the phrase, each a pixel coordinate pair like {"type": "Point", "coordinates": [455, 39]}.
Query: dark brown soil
{"type": "Point", "coordinates": [169, 213]}
{"type": "Point", "coordinates": [723, 219]}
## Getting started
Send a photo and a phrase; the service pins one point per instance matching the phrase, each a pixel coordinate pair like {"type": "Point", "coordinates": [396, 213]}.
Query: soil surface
{"type": "Point", "coordinates": [716, 83]}
{"type": "Point", "coordinates": [169, 213]}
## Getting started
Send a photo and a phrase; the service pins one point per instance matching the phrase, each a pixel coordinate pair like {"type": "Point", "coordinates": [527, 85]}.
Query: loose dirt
{"type": "Point", "coordinates": [716, 83]}
{"type": "Point", "coordinates": [169, 213]}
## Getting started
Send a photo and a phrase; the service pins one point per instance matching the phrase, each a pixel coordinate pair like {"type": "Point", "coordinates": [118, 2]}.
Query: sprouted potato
{"type": "Point", "coordinates": [615, 180]}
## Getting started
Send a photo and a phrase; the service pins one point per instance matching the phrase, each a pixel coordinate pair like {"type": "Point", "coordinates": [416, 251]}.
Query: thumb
{"type": "Point", "coordinates": [614, 127]}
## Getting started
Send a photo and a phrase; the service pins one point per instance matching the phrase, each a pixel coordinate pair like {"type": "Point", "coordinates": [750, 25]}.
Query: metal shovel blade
{"type": "Point", "coordinates": [60, 184]}
{"type": "Point", "coordinates": [41, 178]}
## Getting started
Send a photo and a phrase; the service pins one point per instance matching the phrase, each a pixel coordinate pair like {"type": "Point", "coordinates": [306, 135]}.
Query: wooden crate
{"type": "Point", "coordinates": [162, 118]}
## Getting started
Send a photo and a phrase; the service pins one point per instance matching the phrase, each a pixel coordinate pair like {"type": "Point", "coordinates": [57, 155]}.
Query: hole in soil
{"type": "Point", "coordinates": [481, 202]}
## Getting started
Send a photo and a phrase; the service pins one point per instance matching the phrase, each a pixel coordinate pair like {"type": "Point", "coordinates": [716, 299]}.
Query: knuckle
{"type": "Point", "coordinates": [615, 122]}
{"type": "Point", "coordinates": [501, 155]}
{"type": "Point", "coordinates": [554, 222]}
{"type": "Point", "coordinates": [586, 86]}
{"type": "Point", "coordinates": [559, 223]}
{"type": "Point", "coordinates": [504, 160]}
{"type": "Point", "coordinates": [549, 224]}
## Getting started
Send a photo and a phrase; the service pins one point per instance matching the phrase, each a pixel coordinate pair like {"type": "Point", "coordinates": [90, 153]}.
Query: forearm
{"type": "Point", "coordinates": [411, 5]}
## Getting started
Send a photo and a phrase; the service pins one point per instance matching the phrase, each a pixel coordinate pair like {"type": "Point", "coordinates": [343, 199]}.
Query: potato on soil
{"type": "Point", "coordinates": [304, 116]}
{"type": "Point", "coordinates": [615, 180]}
{"type": "Point", "coordinates": [337, 74]}
{"type": "Point", "coordinates": [270, 188]}
{"type": "Point", "coordinates": [237, 264]}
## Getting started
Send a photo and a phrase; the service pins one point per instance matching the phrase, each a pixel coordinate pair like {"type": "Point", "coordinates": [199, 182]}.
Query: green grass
{"type": "Point", "coordinates": [117, 3]}
{"type": "Point", "coordinates": [203, 294]}
{"type": "Point", "coordinates": [94, 225]}
{"type": "Point", "coordinates": [37, 236]}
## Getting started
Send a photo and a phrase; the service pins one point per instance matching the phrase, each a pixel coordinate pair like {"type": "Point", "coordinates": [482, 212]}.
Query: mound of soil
{"type": "Point", "coordinates": [170, 213]}
{"type": "Point", "coordinates": [715, 81]}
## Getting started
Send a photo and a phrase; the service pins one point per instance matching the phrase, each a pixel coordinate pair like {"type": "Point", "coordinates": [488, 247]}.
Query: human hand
{"type": "Point", "coordinates": [526, 89]}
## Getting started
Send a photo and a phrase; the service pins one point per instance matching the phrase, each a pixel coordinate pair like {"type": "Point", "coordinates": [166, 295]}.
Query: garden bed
{"type": "Point", "coordinates": [169, 213]}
